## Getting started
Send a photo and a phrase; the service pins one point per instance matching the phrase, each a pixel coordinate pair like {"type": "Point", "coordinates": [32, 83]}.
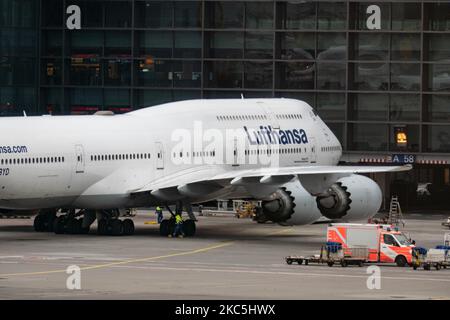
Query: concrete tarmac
{"type": "Point", "coordinates": [229, 258]}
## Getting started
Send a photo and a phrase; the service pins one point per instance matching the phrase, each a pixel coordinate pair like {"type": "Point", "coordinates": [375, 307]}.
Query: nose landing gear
{"type": "Point", "coordinates": [167, 226]}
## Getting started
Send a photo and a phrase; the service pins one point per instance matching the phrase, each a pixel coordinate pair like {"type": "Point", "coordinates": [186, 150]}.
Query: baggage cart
{"type": "Point", "coordinates": [333, 253]}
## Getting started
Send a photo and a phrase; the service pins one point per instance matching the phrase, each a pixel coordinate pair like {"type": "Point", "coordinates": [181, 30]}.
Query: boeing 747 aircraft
{"type": "Point", "coordinates": [72, 170]}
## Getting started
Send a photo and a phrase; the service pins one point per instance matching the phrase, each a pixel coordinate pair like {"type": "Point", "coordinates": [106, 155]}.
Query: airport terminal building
{"type": "Point", "coordinates": [378, 73]}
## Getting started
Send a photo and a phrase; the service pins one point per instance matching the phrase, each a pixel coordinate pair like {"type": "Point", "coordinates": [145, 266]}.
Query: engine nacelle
{"type": "Point", "coordinates": [291, 203]}
{"type": "Point", "coordinates": [351, 198]}
{"type": "Point", "coordinates": [354, 197]}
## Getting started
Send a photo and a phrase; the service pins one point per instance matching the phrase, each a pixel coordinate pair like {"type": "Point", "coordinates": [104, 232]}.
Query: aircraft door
{"type": "Point", "coordinates": [79, 152]}
{"type": "Point", "coordinates": [235, 153]}
{"type": "Point", "coordinates": [159, 156]}
{"type": "Point", "coordinates": [312, 148]}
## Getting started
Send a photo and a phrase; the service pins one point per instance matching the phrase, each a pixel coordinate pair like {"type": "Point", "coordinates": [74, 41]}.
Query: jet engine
{"type": "Point", "coordinates": [351, 198]}
{"type": "Point", "coordinates": [291, 203]}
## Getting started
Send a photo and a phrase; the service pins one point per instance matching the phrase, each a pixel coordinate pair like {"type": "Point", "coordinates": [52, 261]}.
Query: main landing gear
{"type": "Point", "coordinates": [43, 222]}
{"type": "Point", "coordinates": [110, 224]}
{"type": "Point", "coordinates": [79, 222]}
{"type": "Point", "coordinates": [167, 226]}
{"type": "Point", "coordinates": [74, 222]}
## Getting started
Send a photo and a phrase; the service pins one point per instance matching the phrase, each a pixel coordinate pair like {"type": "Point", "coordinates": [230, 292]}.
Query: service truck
{"type": "Point", "coordinates": [385, 243]}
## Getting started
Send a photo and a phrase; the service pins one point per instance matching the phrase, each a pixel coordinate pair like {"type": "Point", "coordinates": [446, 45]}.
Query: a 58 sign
{"type": "Point", "coordinates": [403, 158]}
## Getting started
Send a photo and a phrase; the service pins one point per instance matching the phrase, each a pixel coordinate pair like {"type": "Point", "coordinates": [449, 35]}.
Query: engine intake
{"type": "Point", "coordinates": [292, 204]}
{"type": "Point", "coordinates": [354, 197]}
{"type": "Point", "coordinates": [335, 203]}
{"type": "Point", "coordinates": [281, 208]}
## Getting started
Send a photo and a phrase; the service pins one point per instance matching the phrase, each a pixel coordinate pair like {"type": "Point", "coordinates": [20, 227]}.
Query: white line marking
{"type": "Point", "coordinates": [285, 273]}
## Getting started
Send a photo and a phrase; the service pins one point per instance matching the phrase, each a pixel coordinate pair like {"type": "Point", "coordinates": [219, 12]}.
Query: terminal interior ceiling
{"type": "Point", "coordinates": [369, 85]}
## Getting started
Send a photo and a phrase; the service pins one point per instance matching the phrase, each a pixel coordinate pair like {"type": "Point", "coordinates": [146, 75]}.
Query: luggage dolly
{"type": "Point", "coordinates": [330, 256]}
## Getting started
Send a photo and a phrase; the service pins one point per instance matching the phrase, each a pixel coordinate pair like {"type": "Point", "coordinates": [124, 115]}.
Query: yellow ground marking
{"type": "Point", "coordinates": [280, 232]}
{"type": "Point", "coordinates": [100, 266]}
{"type": "Point", "coordinates": [150, 222]}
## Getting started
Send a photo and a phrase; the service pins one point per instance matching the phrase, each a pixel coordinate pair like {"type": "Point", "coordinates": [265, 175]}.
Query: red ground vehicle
{"type": "Point", "coordinates": [385, 244]}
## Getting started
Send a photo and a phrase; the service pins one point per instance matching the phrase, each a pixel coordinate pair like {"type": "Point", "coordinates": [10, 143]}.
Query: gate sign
{"type": "Point", "coordinates": [403, 158]}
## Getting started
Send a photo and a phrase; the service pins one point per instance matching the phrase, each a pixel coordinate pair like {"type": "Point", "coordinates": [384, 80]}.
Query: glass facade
{"type": "Point", "coordinates": [18, 57]}
{"type": "Point", "coordinates": [131, 54]}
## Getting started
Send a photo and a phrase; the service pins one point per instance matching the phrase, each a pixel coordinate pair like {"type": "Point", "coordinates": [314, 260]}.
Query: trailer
{"type": "Point", "coordinates": [333, 253]}
{"type": "Point", "coordinates": [437, 258]}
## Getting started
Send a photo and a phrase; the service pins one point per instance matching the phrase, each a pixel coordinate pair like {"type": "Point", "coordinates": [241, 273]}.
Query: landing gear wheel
{"type": "Point", "coordinates": [164, 228]}
{"type": "Point", "coordinates": [102, 227]}
{"type": "Point", "coordinates": [38, 223]}
{"type": "Point", "coordinates": [116, 227]}
{"type": "Point", "coordinates": [74, 226]}
{"type": "Point", "coordinates": [189, 228]}
{"type": "Point", "coordinates": [401, 261]}
{"type": "Point", "coordinates": [59, 225]}
{"type": "Point", "coordinates": [128, 227]}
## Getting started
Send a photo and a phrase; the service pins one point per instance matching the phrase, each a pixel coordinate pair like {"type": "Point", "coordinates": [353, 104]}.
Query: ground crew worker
{"type": "Point", "coordinates": [178, 226]}
{"type": "Point", "coordinates": [160, 214]}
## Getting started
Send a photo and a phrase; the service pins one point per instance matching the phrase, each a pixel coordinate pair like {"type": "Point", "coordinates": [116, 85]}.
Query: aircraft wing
{"type": "Point", "coordinates": [205, 179]}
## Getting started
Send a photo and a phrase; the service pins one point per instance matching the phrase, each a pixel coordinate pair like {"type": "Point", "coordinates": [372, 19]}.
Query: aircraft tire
{"type": "Point", "coordinates": [38, 223]}
{"type": "Point", "coordinates": [128, 227]}
{"type": "Point", "coordinates": [102, 227]}
{"type": "Point", "coordinates": [84, 230]}
{"type": "Point", "coordinates": [59, 225]}
{"type": "Point", "coordinates": [74, 226]}
{"type": "Point", "coordinates": [164, 229]}
{"type": "Point", "coordinates": [189, 228]}
{"type": "Point", "coordinates": [117, 227]}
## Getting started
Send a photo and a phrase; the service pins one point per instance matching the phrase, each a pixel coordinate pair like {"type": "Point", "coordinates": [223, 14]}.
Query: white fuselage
{"type": "Point", "coordinates": [99, 161]}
